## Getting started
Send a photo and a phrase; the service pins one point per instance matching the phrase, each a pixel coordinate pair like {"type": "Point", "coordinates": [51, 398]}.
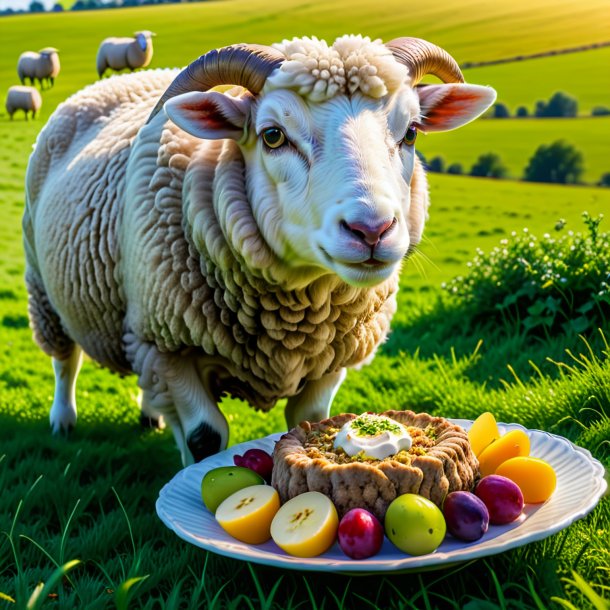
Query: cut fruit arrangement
{"type": "Point", "coordinates": [308, 524]}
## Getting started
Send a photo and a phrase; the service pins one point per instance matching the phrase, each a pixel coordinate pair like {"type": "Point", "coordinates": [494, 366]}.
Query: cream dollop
{"type": "Point", "coordinates": [376, 436]}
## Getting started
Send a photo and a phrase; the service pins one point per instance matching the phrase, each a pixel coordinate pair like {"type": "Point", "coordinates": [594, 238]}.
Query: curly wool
{"type": "Point", "coordinates": [163, 255]}
{"type": "Point", "coordinates": [353, 63]}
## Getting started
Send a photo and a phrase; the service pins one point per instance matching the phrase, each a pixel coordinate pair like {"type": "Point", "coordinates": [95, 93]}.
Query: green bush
{"type": "Point", "coordinates": [559, 283]}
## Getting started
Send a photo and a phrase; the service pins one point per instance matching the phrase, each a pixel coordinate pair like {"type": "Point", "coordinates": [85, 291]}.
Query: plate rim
{"type": "Point", "coordinates": [435, 560]}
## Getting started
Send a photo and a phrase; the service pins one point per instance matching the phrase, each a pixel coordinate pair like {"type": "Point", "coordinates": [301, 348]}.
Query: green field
{"type": "Point", "coordinates": [91, 497]}
{"type": "Point", "coordinates": [523, 83]}
{"type": "Point", "coordinates": [516, 141]}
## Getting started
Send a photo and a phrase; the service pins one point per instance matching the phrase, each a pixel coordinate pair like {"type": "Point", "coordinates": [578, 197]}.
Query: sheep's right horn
{"type": "Point", "coordinates": [247, 65]}
{"type": "Point", "coordinates": [423, 57]}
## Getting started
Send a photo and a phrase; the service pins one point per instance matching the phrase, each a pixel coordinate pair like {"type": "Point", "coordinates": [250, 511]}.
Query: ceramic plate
{"type": "Point", "coordinates": [580, 485]}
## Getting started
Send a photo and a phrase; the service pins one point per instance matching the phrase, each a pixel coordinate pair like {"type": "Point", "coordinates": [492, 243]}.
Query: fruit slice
{"type": "Point", "coordinates": [512, 444]}
{"type": "Point", "coordinates": [306, 525]}
{"type": "Point", "coordinates": [247, 514]}
{"type": "Point", "coordinates": [535, 477]}
{"type": "Point", "coordinates": [483, 432]}
{"type": "Point", "coordinates": [219, 483]}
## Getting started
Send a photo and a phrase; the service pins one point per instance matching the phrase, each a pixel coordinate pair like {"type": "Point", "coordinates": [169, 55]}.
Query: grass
{"type": "Point", "coordinates": [91, 498]}
{"type": "Point", "coordinates": [516, 141]}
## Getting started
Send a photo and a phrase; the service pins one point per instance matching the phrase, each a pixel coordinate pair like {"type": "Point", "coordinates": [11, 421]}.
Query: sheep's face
{"type": "Point", "coordinates": [330, 182]}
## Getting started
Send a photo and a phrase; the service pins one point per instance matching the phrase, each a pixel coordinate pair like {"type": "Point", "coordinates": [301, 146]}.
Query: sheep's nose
{"type": "Point", "coordinates": [369, 233]}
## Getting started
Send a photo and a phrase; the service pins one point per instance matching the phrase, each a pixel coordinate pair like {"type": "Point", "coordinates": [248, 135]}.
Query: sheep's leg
{"type": "Point", "coordinates": [149, 416]}
{"type": "Point", "coordinates": [314, 400]}
{"type": "Point", "coordinates": [174, 386]}
{"type": "Point", "coordinates": [63, 410]}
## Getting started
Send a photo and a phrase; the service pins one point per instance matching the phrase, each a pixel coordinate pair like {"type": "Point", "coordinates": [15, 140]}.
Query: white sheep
{"type": "Point", "coordinates": [119, 53]}
{"type": "Point", "coordinates": [24, 98]}
{"type": "Point", "coordinates": [251, 244]}
{"type": "Point", "coordinates": [42, 66]}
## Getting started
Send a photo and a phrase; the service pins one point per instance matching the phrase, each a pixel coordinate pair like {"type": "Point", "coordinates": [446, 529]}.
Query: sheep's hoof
{"type": "Point", "coordinates": [147, 422]}
{"type": "Point", "coordinates": [203, 442]}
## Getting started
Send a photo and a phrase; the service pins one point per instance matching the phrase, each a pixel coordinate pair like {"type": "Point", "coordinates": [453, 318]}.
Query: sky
{"type": "Point", "coordinates": [22, 4]}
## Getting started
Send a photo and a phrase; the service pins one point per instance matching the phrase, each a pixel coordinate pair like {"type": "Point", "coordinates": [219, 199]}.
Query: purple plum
{"type": "Point", "coordinates": [360, 534]}
{"type": "Point", "coordinates": [258, 460]}
{"type": "Point", "coordinates": [466, 515]}
{"type": "Point", "coordinates": [502, 497]}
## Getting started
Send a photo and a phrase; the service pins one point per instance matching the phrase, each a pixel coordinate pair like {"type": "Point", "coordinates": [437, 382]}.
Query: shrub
{"type": "Point", "coordinates": [604, 180]}
{"type": "Point", "coordinates": [600, 111]}
{"type": "Point", "coordinates": [436, 164]}
{"type": "Point", "coordinates": [455, 168]}
{"type": "Point", "coordinates": [500, 111]}
{"type": "Point", "coordinates": [489, 165]}
{"type": "Point", "coordinates": [560, 105]}
{"type": "Point", "coordinates": [558, 162]}
{"type": "Point", "coordinates": [556, 283]}
{"type": "Point", "coordinates": [522, 112]}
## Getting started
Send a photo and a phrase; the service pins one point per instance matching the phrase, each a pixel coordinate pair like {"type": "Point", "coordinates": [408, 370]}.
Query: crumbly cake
{"type": "Point", "coordinates": [439, 461]}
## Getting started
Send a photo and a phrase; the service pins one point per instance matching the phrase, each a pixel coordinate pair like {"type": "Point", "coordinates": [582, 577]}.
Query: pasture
{"type": "Point", "coordinates": [91, 497]}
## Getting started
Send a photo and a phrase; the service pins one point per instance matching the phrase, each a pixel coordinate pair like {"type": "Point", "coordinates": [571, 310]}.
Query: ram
{"type": "Point", "coordinates": [119, 53]}
{"type": "Point", "coordinates": [246, 242]}
{"type": "Point", "coordinates": [42, 66]}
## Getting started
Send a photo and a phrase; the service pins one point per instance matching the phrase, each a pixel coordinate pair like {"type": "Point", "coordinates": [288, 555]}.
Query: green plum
{"type": "Point", "coordinates": [415, 524]}
{"type": "Point", "coordinates": [219, 483]}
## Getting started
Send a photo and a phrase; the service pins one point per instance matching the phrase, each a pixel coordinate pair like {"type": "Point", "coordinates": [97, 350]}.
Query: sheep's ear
{"type": "Point", "coordinates": [211, 115]}
{"type": "Point", "coordinates": [449, 106]}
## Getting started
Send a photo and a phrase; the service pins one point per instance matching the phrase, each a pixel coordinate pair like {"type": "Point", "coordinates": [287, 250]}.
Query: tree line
{"type": "Point", "coordinates": [560, 105]}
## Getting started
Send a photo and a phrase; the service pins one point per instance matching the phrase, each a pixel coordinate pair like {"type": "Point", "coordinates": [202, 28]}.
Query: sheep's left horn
{"type": "Point", "coordinates": [247, 65]}
{"type": "Point", "coordinates": [423, 57]}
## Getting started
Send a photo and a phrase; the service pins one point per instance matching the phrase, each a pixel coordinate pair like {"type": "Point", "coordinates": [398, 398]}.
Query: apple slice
{"type": "Point", "coordinates": [247, 514]}
{"type": "Point", "coordinates": [306, 525]}
{"type": "Point", "coordinates": [483, 432]}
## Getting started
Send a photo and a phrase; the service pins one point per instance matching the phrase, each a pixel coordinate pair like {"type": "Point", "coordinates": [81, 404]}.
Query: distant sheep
{"type": "Point", "coordinates": [245, 243]}
{"type": "Point", "coordinates": [119, 53]}
{"type": "Point", "coordinates": [42, 66]}
{"type": "Point", "coordinates": [23, 98]}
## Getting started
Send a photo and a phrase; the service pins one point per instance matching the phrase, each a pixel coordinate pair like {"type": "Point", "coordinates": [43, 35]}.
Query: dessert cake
{"type": "Point", "coordinates": [368, 460]}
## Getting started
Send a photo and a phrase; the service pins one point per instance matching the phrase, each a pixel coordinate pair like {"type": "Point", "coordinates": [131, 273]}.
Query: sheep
{"type": "Point", "coordinates": [119, 53]}
{"type": "Point", "coordinates": [23, 98]}
{"type": "Point", "coordinates": [42, 66]}
{"type": "Point", "coordinates": [244, 242]}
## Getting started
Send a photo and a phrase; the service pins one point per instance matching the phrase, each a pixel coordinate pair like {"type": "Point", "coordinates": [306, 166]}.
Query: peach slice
{"type": "Point", "coordinates": [512, 444]}
{"type": "Point", "coordinates": [306, 525]}
{"type": "Point", "coordinates": [535, 477]}
{"type": "Point", "coordinates": [483, 432]}
{"type": "Point", "coordinates": [247, 514]}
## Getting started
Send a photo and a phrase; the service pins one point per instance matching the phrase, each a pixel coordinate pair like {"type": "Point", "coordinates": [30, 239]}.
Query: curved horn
{"type": "Point", "coordinates": [247, 65]}
{"type": "Point", "coordinates": [423, 57]}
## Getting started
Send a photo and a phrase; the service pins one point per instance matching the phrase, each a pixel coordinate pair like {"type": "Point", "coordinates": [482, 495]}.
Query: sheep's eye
{"type": "Point", "coordinates": [274, 137]}
{"type": "Point", "coordinates": [410, 136]}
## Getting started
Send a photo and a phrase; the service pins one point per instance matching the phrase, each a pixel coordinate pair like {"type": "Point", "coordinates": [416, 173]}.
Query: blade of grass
{"type": "Point", "coordinates": [121, 596]}
{"type": "Point", "coordinates": [42, 590]}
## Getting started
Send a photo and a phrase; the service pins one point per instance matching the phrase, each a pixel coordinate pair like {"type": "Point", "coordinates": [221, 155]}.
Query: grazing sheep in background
{"type": "Point", "coordinates": [23, 98]}
{"type": "Point", "coordinates": [119, 53]}
{"type": "Point", "coordinates": [249, 245]}
{"type": "Point", "coordinates": [41, 66]}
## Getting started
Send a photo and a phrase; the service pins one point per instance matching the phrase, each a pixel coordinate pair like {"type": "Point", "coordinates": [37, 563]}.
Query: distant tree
{"type": "Point", "coordinates": [500, 111]}
{"type": "Point", "coordinates": [560, 105]}
{"type": "Point", "coordinates": [604, 180]}
{"type": "Point", "coordinates": [36, 7]}
{"type": "Point", "coordinates": [522, 112]}
{"type": "Point", "coordinates": [455, 168]}
{"type": "Point", "coordinates": [421, 157]}
{"type": "Point", "coordinates": [57, 8]}
{"type": "Point", "coordinates": [558, 162]}
{"type": "Point", "coordinates": [489, 165]}
{"type": "Point", "coordinates": [600, 111]}
{"type": "Point", "coordinates": [436, 164]}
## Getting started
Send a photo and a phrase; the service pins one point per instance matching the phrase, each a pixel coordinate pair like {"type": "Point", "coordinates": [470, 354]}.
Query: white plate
{"type": "Point", "coordinates": [580, 485]}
